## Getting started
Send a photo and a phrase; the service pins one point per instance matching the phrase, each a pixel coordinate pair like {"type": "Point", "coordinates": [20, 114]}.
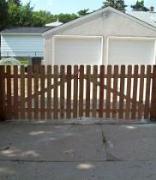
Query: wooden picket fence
{"type": "Point", "coordinates": [64, 92]}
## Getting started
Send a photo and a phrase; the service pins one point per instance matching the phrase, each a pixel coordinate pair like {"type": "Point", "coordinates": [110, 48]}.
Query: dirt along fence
{"type": "Point", "coordinates": [64, 92]}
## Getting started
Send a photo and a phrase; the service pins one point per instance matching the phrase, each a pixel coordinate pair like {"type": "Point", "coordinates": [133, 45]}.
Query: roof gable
{"type": "Point", "coordinates": [96, 13]}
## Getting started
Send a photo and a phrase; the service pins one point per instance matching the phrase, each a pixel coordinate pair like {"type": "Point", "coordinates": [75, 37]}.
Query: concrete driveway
{"type": "Point", "coordinates": [44, 151]}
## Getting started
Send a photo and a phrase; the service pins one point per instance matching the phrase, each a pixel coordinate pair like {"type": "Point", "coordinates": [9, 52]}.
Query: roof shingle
{"type": "Point", "coordinates": [27, 30]}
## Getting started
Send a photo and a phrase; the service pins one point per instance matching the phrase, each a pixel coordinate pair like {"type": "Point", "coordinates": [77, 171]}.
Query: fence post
{"type": "Point", "coordinates": [2, 94]}
{"type": "Point", "coordinates": [153, 98]}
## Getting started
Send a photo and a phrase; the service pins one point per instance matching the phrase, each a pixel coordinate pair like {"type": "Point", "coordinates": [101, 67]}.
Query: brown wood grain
{"type": "Point", "coordinates": [108, 91]}
{"type": "Point", "coordinates": [101, 96]}
{"type": "Point", "coordinates": [135, 88]}
{"type": "Point", "coordinates": [115, 88]}
{"type": "Point", "coordinates": [29, 92]}
{"type": "Point", "coordinates": [3, 115]}
{"type": "Point", "coordinates": [56, 93]}
{"type": "Point", "coordinates": [36, 92]}
{"type": "Point", "coordinates": [153, 101]}
{"type": "Point", "coordinates": [128, 92]}
{"type": "Point", "coordinates": [87, 107]}
{"type": "Point", "coordinates": [148, 90]}
{"type": "Point", "coordinates": [141, 93]}
{"type": "Point", "coordinates": [75, 103]}
{"type": "Point", "coordinates": [62, 92]}
{"type": "Point", "coordinates": [68, 113]}
{"type": "Point", "coordinates": [81, 92]}
{"type": "Point", "coordinates": [121, 98]}
{"type": "Point", "coordinates": [9, 94]}
{"type": "Point", "coordinates": [22, 92]}
{"type": "Point", "coordinates": [15, 93]}
{"type": "Point", "coordinates": [94, 99]}
{"type": "Point", "coordinates": [55, 103]}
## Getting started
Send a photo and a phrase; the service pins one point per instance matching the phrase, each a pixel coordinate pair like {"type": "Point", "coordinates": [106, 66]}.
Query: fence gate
{"type": "Point", "coordinates": [64, 92]}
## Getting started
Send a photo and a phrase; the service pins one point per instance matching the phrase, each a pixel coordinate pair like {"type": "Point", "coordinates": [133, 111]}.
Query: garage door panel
{"type": "Point", "coordinates": [131, 51]}
{"type": "Point", "coordinates": [78, 51]}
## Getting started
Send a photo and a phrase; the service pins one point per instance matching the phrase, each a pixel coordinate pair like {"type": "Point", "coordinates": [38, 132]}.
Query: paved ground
{"type": "Point", "coordinates": [44, 151]}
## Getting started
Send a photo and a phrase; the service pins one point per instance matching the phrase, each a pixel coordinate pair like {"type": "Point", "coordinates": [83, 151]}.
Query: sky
{"type": "Point", "coordinates": [73, 6]}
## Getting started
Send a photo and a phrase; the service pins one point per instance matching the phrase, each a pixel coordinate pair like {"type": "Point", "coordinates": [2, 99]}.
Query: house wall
{"type": "Point", "coordinates": [22, 45]}
{"type": "Point", "coordinates": [106, 24]}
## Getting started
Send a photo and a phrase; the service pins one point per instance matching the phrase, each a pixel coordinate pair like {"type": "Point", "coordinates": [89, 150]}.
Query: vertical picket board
{"type": "Point", "coordinates": [135, 87]}
{"type": "Point", "coordinates": [49, 107]}
{"type": "Point", "coordinates": [75, 103]}
{"type": "Point", "coordinates": [147, 97]}
{"type": "Point", "coordinates": [128, 92]}
{"type": "Point", "coordinates": [94, 99]}
{"type": "Point", "coordinates": [115, 88]}
{"type": "Point", "coordinates": [87, 106]}
{"type": "Point", "coordinates": [36, 89]}
{"type": "Point", "coordinates": [2, 94]}
{"type": "Point", "coordinates": [55, 92]}
{"type": "Point", "coordinates": [108, 91]}
{"type": "Point", "coordinates": [141, 92]}
{"type": "Point", "coordinates": [42, 72]}
{"type": "Point", "coordinates": [22, 84]}
{"type": "Point", "coordinates": [9, 98]}
{"type": "Point", "coordinates": [15, 93]}
{"type": "Point", "coordinates": [153, 98]}
{"type": "Point", "coordinates": [29, 93]}
{"type": "Point", "coordinates": [121, 98]}
{"type": "Point", "coordinates": [68, 108]}
{"type": "Point", "coordinates": [81, 86]}
{"type": "Point", "coordinates": [62, 91]}
{"type": "Point", "coordinates": [101, 97]}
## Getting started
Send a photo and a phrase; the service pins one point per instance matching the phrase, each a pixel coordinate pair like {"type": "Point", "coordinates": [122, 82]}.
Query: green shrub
{"type": "Point", "coordinates": [9, 61]}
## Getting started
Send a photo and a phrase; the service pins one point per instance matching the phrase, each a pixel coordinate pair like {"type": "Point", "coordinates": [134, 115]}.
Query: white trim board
{"type": "Point", "coordinates": [76, 36]}
{"type": "Point", "coordinates": [132, 37]}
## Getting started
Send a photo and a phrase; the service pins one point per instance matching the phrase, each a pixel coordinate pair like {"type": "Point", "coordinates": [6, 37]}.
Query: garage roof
{"type": "Point", "coordinates": [148, 17]}
{"type": "Point", "coordinates": [26, 30]}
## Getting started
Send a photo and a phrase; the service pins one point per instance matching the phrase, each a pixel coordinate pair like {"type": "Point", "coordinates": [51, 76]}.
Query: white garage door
{"type": "Point", "coordinates": [78, 50]}
{"type": "Point", "coordinates": [123, 51]}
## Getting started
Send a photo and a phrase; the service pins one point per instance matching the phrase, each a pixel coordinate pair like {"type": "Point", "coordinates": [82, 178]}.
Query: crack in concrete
{"type": "Point", "coordinates": [80, 161]}
{"type": "Point", "coordinates": [48, 161]}
{"type": "Point", "coordinates": [109, 156]}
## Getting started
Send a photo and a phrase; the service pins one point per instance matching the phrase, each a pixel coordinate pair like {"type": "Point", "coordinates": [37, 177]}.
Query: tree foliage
{"type": "Point", "coordinates": [117, 4]}
{"type": "Point", "coordinates": [83, 12]}
{"type": "Point", "coordinates": [40, 18]}
{"type": "Point", "coordinates": [3, 14]}
{"type": "Point", "coordinates": [64, 18]}
{"type": "Point", "coordinates": [23, 15]}
{"type": "Point", "coordinates": [139, 6]}
{"type": "Point", "coordinates": [19, 15]}
{"type": "Point", "coordinates": [17, 2]}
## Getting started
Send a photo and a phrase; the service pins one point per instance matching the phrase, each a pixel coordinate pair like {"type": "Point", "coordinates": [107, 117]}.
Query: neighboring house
{"type": "Point", "coordinates": [22, 42]}
{"type": "Point", "coordinates": [54, 24]}
{"type": "Point", "coordinates": [106, 36]}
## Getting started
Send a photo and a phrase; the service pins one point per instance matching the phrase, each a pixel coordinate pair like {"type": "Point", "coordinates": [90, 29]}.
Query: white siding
{"type": "Point", "coordinates": [22, 45]}
{"type": "Point", "coordinates": [47, 53]}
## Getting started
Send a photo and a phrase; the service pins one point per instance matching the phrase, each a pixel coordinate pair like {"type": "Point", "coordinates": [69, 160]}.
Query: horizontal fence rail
{"type": "Point", "coordinates": [64, 92]}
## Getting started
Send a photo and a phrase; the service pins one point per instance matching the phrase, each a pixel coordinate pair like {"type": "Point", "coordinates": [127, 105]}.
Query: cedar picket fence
{"type": "Point", "coordinates": [64, 92]}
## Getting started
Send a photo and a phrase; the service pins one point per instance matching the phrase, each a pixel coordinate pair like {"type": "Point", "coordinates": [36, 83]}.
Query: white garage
{"type": "Point", "coordinates": [104, 37]}
{"type": "Point", "coordinates": [77, 50]}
